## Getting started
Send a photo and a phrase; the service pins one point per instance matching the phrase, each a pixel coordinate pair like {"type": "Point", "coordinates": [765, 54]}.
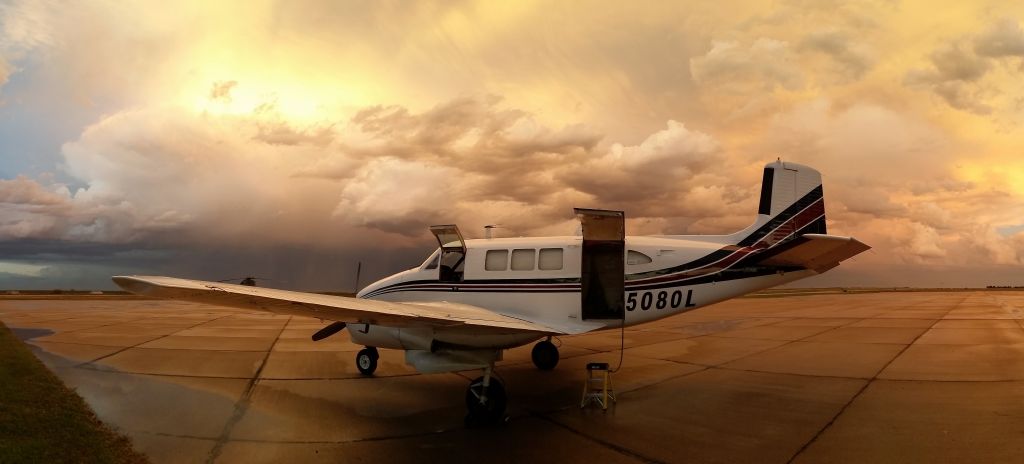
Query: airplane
{"type": "Point", "coordinates": [472, 299]}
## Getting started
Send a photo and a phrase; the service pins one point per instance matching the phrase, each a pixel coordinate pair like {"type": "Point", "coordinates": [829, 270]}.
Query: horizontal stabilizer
{"type": "Point", "coordinates": [817, 252]}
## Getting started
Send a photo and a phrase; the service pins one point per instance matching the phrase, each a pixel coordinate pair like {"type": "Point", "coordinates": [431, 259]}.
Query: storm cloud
{"type": "Point", "coordinates": [294, 141]}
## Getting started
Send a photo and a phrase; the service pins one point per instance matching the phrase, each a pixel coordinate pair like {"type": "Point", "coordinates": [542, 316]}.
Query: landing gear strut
{"type": "Point", "coordinates": [366, 360]}
{"type": "Point", "coordinates": [545, 355]}
{"type": "Point", "coordinates": [485, 400]}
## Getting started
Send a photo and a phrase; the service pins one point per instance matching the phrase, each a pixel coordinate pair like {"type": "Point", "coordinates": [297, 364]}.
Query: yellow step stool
{"type": "Point", "coordinates": [598, 386]}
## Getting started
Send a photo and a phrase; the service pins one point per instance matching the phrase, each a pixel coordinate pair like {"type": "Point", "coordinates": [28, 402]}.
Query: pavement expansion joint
{"type": "Point", "coordinates": [607, 444]}
{"type": "Point", "coordinates": [242, 405]}
{"type": "Point", "coordinates": [147, 341]}
{"type": "Point", "coordinates": [865, 387]}
{"type": "Point", "coordinates": [660, 381]}
{"type": "Point", "coordinates": [103, 325]}
{"type": "Point", "coordinates": [108, 370]}
{"type": "Point", "coordinates": [796, 374]}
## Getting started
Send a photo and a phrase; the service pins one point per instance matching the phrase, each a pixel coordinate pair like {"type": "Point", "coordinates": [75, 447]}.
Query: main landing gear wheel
{"type": "Point", "coordinates": [486, 405]}
{"type": "Point", "coordinates": [366, 360]}
{"type": "Point", "coordinates": [545, 355]}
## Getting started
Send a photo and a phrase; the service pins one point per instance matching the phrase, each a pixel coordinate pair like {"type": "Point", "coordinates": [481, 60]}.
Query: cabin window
{"type": "Point", "coordinates": [523, 259]}
{"type": "Point", "coordinates": [496, 260]}
{"type": "Point", "coordinates": [550, 259]}
{"type": "Point", "coordinates": [635, 257]}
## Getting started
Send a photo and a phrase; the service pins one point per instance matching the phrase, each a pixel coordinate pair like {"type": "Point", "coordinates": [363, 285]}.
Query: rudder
{"type": "Point", "coordinates": [792, 203]}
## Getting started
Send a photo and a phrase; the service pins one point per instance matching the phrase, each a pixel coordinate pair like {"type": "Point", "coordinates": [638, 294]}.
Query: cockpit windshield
{"type": "Point", "coordinates": [432, 260]}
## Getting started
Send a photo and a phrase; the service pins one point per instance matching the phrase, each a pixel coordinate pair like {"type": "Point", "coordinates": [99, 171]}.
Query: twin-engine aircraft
{"type": "Point", "coordinates": [472, 299]}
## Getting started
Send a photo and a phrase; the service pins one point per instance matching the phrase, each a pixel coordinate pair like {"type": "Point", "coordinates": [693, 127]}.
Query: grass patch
{"type": "Point", "coordinates": [42, 420]}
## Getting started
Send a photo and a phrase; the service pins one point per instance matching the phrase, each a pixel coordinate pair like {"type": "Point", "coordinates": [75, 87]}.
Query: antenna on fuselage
{"type": "Point", "coordinates": [489, 230]}
{"type": "Point", "coordinates": [359, 270]}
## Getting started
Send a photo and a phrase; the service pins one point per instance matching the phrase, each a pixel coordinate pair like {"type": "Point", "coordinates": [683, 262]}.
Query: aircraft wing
{"type": "Point", "coordinates": [337, 308]}
{"type": "Point", "coordinates": [817, 252]}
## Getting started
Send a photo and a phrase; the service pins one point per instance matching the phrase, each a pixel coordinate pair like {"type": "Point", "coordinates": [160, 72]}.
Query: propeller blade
{"type": "Point", "coordinates": [331, 329]}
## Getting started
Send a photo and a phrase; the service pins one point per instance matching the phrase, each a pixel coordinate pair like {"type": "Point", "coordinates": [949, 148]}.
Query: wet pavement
{"type": "Point", "coordinates": [880, 377]}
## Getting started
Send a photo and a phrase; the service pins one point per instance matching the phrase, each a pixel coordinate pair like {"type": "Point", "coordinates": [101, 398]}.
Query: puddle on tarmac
{"type": "Point", "coordinates": [28, 333]}
{"type": "Point", "coordinates": [180, 406]}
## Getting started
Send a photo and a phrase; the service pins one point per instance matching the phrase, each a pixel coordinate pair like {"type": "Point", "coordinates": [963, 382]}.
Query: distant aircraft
{"type": "Point", "coordinates": [472, 299]}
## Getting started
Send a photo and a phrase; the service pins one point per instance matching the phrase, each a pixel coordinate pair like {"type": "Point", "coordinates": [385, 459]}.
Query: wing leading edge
{"type": "Point", "coordinates": [335, 308]}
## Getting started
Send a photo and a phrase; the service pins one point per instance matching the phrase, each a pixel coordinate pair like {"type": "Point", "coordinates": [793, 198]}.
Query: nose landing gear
{"type": "Point", "coordinates": [485, 400]}
{"type": "Point", "coordinates": [545, 355]}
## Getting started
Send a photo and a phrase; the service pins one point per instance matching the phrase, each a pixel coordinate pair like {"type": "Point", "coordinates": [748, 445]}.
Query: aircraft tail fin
{"type": "Point", "coordinates": [792, 204]}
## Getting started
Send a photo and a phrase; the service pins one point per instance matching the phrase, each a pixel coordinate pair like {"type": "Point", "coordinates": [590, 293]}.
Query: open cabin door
{"type": "Point", "coordinates": [603, 266]}
{"type": "Point", "coordinates": [453, 252]}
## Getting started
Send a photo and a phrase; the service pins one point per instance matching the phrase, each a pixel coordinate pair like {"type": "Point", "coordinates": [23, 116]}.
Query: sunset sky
{"type": "Point", "coordinates": [291, 140]}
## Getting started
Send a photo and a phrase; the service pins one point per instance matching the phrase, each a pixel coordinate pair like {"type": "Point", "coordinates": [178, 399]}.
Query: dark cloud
{"type": "Point", "coordinates": [163, 177]}
{"type": "Point", "coordinates": [654, 173]}
{"type": "Point", "coordinates": [854, 59]}
{"type": "Point", "coordinates": [762, 65]}
{"type": "Point", "coordinates": [958, 71]}
{"type": "Point", "coordinates": [282, 133]}
{"type": "Point", "coordinates": [955, 63]}
{"type": "Point", "coordinates": [962, 96]}
{"type": "Point", "coordinates": [953, 77]}
{"type": "Point", "coordinates": [1004, 38]}
{"type": "Point", "coordinates": [65, 264]}
{"type": "Point", "coordinates": [474, 134]}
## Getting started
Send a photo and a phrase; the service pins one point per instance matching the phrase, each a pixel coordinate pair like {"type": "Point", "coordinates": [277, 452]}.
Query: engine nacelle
{"type": "Point", "coordinates": [392, 337]}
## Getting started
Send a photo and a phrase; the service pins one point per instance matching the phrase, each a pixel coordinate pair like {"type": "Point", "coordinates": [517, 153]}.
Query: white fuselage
{"type": "Point", "coordinates": [663, 276]}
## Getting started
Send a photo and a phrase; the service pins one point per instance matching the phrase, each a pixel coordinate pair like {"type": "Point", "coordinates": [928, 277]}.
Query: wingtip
{"type": "Point", "coordinates": [130, 284]}
{"type": "Point", "coordinates": [121, 279]}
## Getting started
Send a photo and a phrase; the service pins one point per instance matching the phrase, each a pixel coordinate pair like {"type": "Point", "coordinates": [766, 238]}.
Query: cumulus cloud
{"type": "Point", "coordinates": [474, 134]}
{"type": "Point", "coordinates": [26, 192]}
{"type": "Point", "coordinates": [892, 179]}
{"type": "Point", "coordinates": [959, 73]}
{"type": "Point", "coordinates": [5, 71]}
{"type": "Point", "coordinates": [764, 64]}
{"type": "Point", "coordinates": [1004, 38]}
{"type": "Point", "coordinates": [853, 58]}
{"type": "Point", "coordinates": [745, 80]}
{"type": "Point", "coordinates": [890, 147]}
{"type": "Point", "coordinates": [922, 242]}
{"type": "Point", "coordinates": [657, 176]}
{"type": "Point", "coordinates": [173, 176]}
{"type": "Point", "coordinates": [955, 70]}
{"type": "Point", "coordinates": [503, 167]}
{"type": "Point", "coordinates": [955, 63]}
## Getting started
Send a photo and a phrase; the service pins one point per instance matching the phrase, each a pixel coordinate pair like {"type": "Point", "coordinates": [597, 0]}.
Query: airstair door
{"type": "Point", "coordinates": [603, 266]}
{"type": "Point", "coordinates": [453, 252]}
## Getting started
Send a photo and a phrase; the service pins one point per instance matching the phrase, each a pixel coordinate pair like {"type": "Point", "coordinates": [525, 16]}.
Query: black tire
{"type": "Point", "coordinates": [366, 361]}
{"type": "Point", "coordinates": [545, 355]}
{"type": "Point", "coordinates": [492, 410]}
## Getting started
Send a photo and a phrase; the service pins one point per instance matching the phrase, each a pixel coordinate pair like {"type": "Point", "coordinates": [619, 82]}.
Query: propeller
{"type": "Point", "coordinates": [247, 280]}
{"type": "Point", "coordinates": [331, 329]}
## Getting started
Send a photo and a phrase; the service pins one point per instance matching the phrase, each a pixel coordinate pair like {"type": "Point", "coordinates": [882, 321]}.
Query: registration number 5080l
{"type": "Point", "coordinates": [659, 299]}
